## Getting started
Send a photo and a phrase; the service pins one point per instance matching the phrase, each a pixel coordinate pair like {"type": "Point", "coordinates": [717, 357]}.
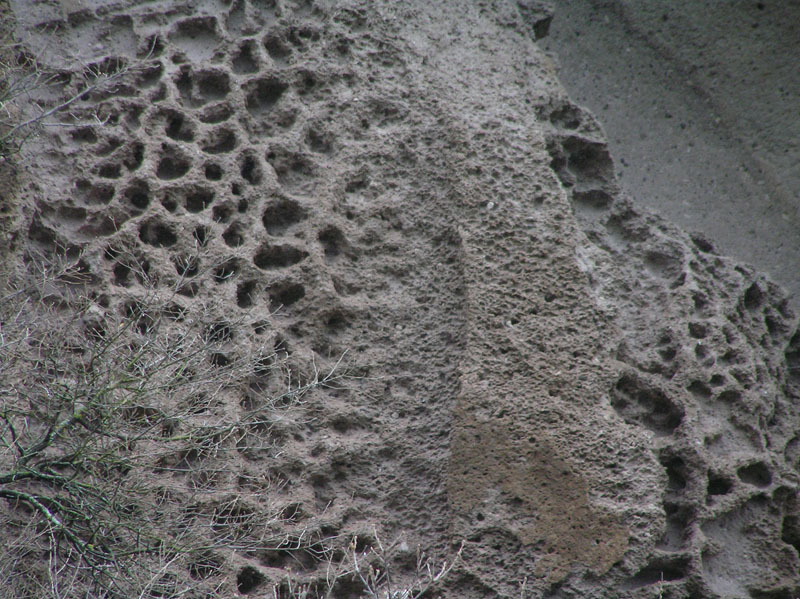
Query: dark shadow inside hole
{"type": "Point", "coordinates": [285, 295]}
{"type": "Point", "coordinates": [719, 485]}
{"type": "Point", "coordinates": [248, 580]}
{"type": "Point", "coordinates": [172, 167]}
{"type": "Point", "coordinates": [757, 474]}
{"type": "Point", "coordinates": [199, 200]}
{"type": "Point", "coordinates": [244, 294]}
{"type": "Point", "coordinates": [213, 172]}
{"type": "Point", "coordinates": [201, 235]}
{"type": "Point", "coordinates": [250, 171]}
{"type": "Point", "coordinates": [278, 256]}
{"type": "Point", "coordinates": [157, 234]}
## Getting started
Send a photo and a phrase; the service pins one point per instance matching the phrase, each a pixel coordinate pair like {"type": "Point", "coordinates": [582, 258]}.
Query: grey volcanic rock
{"type": "Point", "coordinates": [594, 402]}
{"type": "Point", "coordinates": [699, 102]}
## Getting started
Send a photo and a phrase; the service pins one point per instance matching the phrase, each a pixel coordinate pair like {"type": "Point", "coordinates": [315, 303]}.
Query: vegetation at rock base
{"type": "Point", "coordinates": [115, 453]}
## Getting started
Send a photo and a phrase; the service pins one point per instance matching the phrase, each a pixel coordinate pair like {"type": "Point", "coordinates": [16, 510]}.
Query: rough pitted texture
{"type": "Point", "coordinates": [597, 404]}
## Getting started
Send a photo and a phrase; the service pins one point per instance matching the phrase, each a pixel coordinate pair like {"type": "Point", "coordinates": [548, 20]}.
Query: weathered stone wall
{"type": "Point", "coordinates": [596, 403]}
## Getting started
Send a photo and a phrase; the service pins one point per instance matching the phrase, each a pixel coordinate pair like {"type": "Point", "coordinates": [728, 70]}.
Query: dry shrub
{"type": "Point", "coordinates": [115, 443]}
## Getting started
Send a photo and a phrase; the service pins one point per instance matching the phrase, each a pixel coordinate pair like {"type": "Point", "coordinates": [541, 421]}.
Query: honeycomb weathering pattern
{"type": "Point", "coordinates": [598, 404]}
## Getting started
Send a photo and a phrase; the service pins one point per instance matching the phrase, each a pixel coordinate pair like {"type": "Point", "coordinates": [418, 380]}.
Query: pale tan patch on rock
{"type": "Point", "coordinates": [545, 501]}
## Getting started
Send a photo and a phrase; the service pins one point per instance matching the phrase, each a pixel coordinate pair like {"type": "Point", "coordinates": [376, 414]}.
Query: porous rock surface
{"type": "Point", "coordinates": [596, 403]}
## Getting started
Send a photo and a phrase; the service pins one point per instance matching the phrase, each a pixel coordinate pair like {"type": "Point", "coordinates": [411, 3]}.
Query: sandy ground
{"type": "Point", "coordinates": [700, 104]}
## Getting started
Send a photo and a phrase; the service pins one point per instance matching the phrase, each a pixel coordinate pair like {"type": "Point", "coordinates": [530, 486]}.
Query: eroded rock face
{"type": "Point", "coordinates": [597, 404]}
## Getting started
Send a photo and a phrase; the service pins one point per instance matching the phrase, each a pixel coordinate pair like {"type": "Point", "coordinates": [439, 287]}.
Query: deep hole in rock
{"type": "Point", "coordinates": [190, 289]}
{"type": "Point", "coordinates": [134, 156]}
{"type": "Point", "coordinates": [757, 474]}
{"type": "Point", "coordinates": [109, 171]}
{"type": "Point", "coordinates": [233, 236]}
{"type": "Point", "coordinates": [790, 531]}
{"type": "Point", "coordinates": [753, 297]}
{"type": "Point", "coordinates": [277, 49]}
{"type": "Point", "coordinates": [199, 200]}
{"type": "Point", "coordinates": [293, 169]}
{"type": "Point", "coordinates": [183, 83]}
{"type": "Point", "coordinates": [157, 233]}
{"type": "Point", "coordinates": [702, 243]}
{"type": "Point", "coordinates": [588, 160]}
{"type": "Point", "coordinates": [285, 294]}
{"type": "Point", "coordinates": [169, 203]}
{"type": "Point", "coordinates": [175, 312]}
{"type": "Point", "coordinates": [121, 274]}
{"type": "Point", "coordinates": [248, 580]}
{"type": "Point", "coordinates": [278, 256]}
{"type": "Point", "coordinates": [172, 167]}
{"type": "Point", "coordinates": [222, 213]}
{"type": "Point", "coordinates": [186, 266]}
{"type": "Point", "coordinates": [293, 513]}
{"type": "Point", "coordinates": [296, 553]}
{"type": "Point", "coordinates": [244, 294]}
{"type": "Point", "coordinates": [730, 396]}
{"type": "Point", "coordinates": [201, 235]}
{"type": "Point", "coordinates": [677, 522]}
{"type": "Point", "coordinates": [111, 252]}
{"type": "Point", "coordinates": [217, 113]}
{"type": "Point", "coordinates": [177, 128]}
{"type": "Point", "coordinates": [220, 360]}
{"type": "Point", "coordinates": [244, 61]}
{"type": "Point", "coordinates": [94, 193]}
{"type": "Point", "coordinates": [212, 85]}
{"type": "Point", "coordinates": [637, 401]}
{"type": "Point", "coordinates": [72, 213]}
{"type": "Point", "coordinates": [716, 380]}
{"type": "Point", "coordinates": [333, 242]}
{"type": "Point", "coordinates": [137, 194]}
{"type": "Point", "coordinates": [281, 214]}
{"type": "Point", "coordinates": [196, 37]}
{"type": "Point", "coordinates": [668, 353]}
{"type": "Point", "coordinates": [661, 570]}
{"type": "Point", "coordinates": [261, 95]}
{"type": "Point", "coordinates": [204, 565]}
{"type": "Point", "coordinates": [213, 172]}
{"type": "Point", "coordinates": [792, 355]}
{"type": "Point", "coordinates": [699, 389]}
{"type": "Point", "coordinates": [107, 66]}
{"type": "Point", "coordinates": [318, 141]}
{"type": "Point", "coordinates": [250, 170]}
{"type": "Point", "coordinates": [676, 472]}
{"type": "Point", "coordinates": [306, 82]}
{"type": "Point", "coordinates": [567, 117]}
{"type": "Point", "coordinates": [84, 135]}
{"type": "Point", "coordinates": [719, 485]}
{"type": "Point", "coordinates": [159, 94]}
{"type": "Point", "coordinates": [220, 141]}
{"type": "Point", "coordinates": [775, 325]}
{"type": "Point", "coordinates": [226, 271]}
{"type": "Point", "coordinates": [699, 300]}
{"type": "Point", "coordinates": [151, 73]}
{"type": "Point", "coordinates": [335, 322]}
{"type": "Point", "coordinates": [698, 330]}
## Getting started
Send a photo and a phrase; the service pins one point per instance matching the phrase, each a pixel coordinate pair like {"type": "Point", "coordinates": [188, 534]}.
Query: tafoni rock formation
{"type": "Point", "coordinates": [587, 400]}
